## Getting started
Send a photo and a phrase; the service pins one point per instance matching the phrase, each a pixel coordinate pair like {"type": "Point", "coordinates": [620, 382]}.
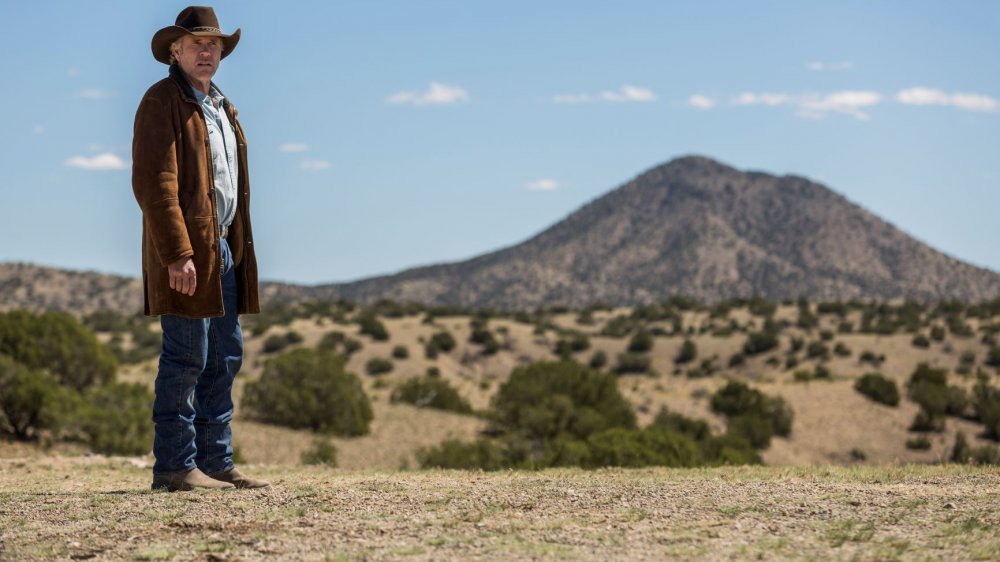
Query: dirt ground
{"type": "Point", "coordinates": [78, 508]}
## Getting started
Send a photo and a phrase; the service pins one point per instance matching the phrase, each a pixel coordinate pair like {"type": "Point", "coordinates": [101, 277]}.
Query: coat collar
{"type": "Point", "coordinates": [188, 90]}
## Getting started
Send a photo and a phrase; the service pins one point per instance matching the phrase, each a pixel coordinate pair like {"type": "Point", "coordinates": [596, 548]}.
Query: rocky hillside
{"type": "Point", "coordinates": [39, 288]}
{"type": "Point", "coordinates": [698, 228]}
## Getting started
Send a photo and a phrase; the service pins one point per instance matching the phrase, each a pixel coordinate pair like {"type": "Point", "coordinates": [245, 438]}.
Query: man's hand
{"type": "Point", "coordinates": [182, 276]}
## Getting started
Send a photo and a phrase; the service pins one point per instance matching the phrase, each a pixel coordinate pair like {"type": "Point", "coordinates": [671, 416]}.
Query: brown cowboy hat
{"type": "Point", "coordinates": [193, 20]}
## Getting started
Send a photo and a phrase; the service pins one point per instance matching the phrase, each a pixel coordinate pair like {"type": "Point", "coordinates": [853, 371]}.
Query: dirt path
{"type": "Point", "coordinates": [96, 508]}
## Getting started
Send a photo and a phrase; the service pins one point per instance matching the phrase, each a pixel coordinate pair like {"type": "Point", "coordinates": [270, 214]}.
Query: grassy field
{"type": "Point", "coordinates": [101, 509]}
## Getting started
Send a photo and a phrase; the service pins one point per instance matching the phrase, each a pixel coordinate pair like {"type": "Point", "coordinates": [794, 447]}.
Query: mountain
{"type": "Point", "coordinates": [699, 228]}
{"type": "Point", "coordinates": [692, 227]}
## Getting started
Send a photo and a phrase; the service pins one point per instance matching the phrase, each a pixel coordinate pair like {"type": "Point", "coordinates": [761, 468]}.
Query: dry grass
{"type": "Point", "coordinates": [95, 508]}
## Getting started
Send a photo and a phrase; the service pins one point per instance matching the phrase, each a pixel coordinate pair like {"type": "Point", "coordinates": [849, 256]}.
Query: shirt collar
{"type": "Point", "coordinates": [213, 92]}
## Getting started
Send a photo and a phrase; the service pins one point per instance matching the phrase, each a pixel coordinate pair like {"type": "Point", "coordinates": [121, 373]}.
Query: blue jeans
{"type": "Point", "coordinates": [194, 385]}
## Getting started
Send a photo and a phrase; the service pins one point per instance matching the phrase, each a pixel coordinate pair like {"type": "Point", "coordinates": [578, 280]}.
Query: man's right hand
{"type": "Point", "coordinates": [182, 276]}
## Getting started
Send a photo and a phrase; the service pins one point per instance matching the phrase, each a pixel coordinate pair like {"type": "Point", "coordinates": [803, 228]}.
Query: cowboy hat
{"type": "Point", "coordinates": [193, 20]}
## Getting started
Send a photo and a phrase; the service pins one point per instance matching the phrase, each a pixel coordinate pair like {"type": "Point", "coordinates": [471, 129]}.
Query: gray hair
{"type": "Point", "coordinates": [176, 44]}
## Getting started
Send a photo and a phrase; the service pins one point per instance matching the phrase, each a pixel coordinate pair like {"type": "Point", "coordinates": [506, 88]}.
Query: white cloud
{"type": "Point", "coordinates": [93, 94]}
{"type": "Point", "coordinates": [436, 94]}
{"type": "Point", "coordinates": [105, 161]}
{"type": "Point", "coordinates": [751, 98]}
{"type": "Point", "coordinates": [930, 96]}
{"type": "Point", "coordinates": [314, 165]}
{"type": "Point", "coordinates": [629, 93]}
{"type": "Point", "coordinates": [701, 102]}
{"type": "Point", "coordinates": [294, 147]}
{"type": "Point", "coordinates": [850, 102]}
{"type": "Point", "coordinates": [832, 66]}
{"type": "Point", "coordinates": [571, 98]}
{"type": "Point", "coordinates": [542, 184]}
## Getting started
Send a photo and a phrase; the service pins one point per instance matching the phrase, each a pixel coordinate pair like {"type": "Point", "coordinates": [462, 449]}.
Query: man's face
{"type": "Point", "coordinates": [199, 57]}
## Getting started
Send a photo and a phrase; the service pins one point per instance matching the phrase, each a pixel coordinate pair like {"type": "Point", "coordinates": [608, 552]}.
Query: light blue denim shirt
{"type": "Point", "coordinates": [222, 139]}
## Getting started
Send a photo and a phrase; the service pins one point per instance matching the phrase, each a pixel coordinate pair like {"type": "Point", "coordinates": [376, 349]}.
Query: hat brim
{"type": "Point", "coordinates": [163, 38]}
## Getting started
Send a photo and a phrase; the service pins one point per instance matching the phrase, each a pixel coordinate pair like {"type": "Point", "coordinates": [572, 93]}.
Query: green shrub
{"type": "Point", "coordinates": [433, 372]}
{"type": "Point", "coordinates": [803, 375]}
{"type": "Point", "coordinates": [444, 341]}
{"type": "Point", "coordinates": [646, 447]}
{"type": "Point", "coordinates": [937, 333]}
{"type": "Point", "coordinates": [760, 342]}
{"type": "Point", "coordinates": [841, 350]}
{"type": "Point", "coordinates": [352, 346]}
{"type": "Point", "coordinates": [430, 392]}
{"type": "Point", "coordinates": [696, 429]}
{"type": "Point", "coordinates": [571, 343]}
{"type": "Point", "coordinates": [753, 427]}
{"type": "Point", "coordinates": [483, 454]}
{"type": "Point", "coordinates": [598, 360]}
{"type": "Point", "coordinates": [961, 452]}
{"type": "Point", "coordinates": [431, 350]}
{"type": "Point", "coordinates": [641, 342]}
{"type": "Point", "coordinates": [871, 358]}
{"type": "Point", "coordinates": [715, 450]}
{"type": "Point", "coordinates": [920, 341]}
{"type": "Point", "coordinates": [986, 399]}
{"type": "Point", "coordinates": [278, 342]}
{"type": "Point", "coordinates": [115, 419]}
{"type": "Point", "coordinates": [687, 353]}
{"type": "Point", "coordinates": [543, 400]}
{"type": "Point", "coordinates": [331, 341]}
{"type": "Point", "coordinates": [481, 334]}
{"type": "Point", "coordinates": [737, 359]}
{"type": "Point", "coordinates": [323, 452]}
{"type": "Point", "coordinates": [925, 421]}
{"type": "Point", "coordinates": [993, 357]}
{"type": "Point", "coordinates": [378, 366]}
{"type": "Point", "coordinates": [309, 389]}
{"type": "Point", "coordinates": [928, 388]}
{"type": "Point", "coordinates": [59, 343]}
{"type": "Point", "coordinates": [878, 388]}
{"type": "Point", "coordinates": [986, 456]}
{"type": "Point", "coordinates": [817, 350]}
{"type": "Point", "coordinates": [745, 407]}
{"type": "Point", "coordinates": [632, 363]}
{"type": "Point", "coordinates": [791, 362]}
{"type": "Point", "coordinates": [372, 326]}
{"type": "Point", "coordinates": [920, 443]}
{"type": "Point", "coordinates": [822, 372]}
{"type": "Point", "coordinates": [400, 352]}
{"type": "Point", "coordinates": [30, 400]}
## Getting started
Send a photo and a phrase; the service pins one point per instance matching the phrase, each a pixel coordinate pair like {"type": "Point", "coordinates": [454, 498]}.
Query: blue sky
{"type": "Point", "coordinates": [389, 134]}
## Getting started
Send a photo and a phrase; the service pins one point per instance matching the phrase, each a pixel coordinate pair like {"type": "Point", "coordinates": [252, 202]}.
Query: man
{"type": "Point", "coordinates": [199, 271]}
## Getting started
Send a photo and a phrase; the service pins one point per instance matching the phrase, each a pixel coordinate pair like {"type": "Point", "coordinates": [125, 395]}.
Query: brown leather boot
{"type": "Point", "coordinates": [186, 480]}
{"type": "Point", "coordinates": [236, 478]}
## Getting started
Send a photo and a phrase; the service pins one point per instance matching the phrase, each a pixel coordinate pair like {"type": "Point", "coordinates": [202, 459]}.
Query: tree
{"type": "Point", "coordinates": [59, 343]}
{"type": "Point", "coordinates": [543, 400]}
{"type": "Point", "coordinates": [309, 389]}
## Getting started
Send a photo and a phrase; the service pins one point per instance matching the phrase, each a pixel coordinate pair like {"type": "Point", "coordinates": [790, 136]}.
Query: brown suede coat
{"type": "Point", "coordinates": [172, 179]}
